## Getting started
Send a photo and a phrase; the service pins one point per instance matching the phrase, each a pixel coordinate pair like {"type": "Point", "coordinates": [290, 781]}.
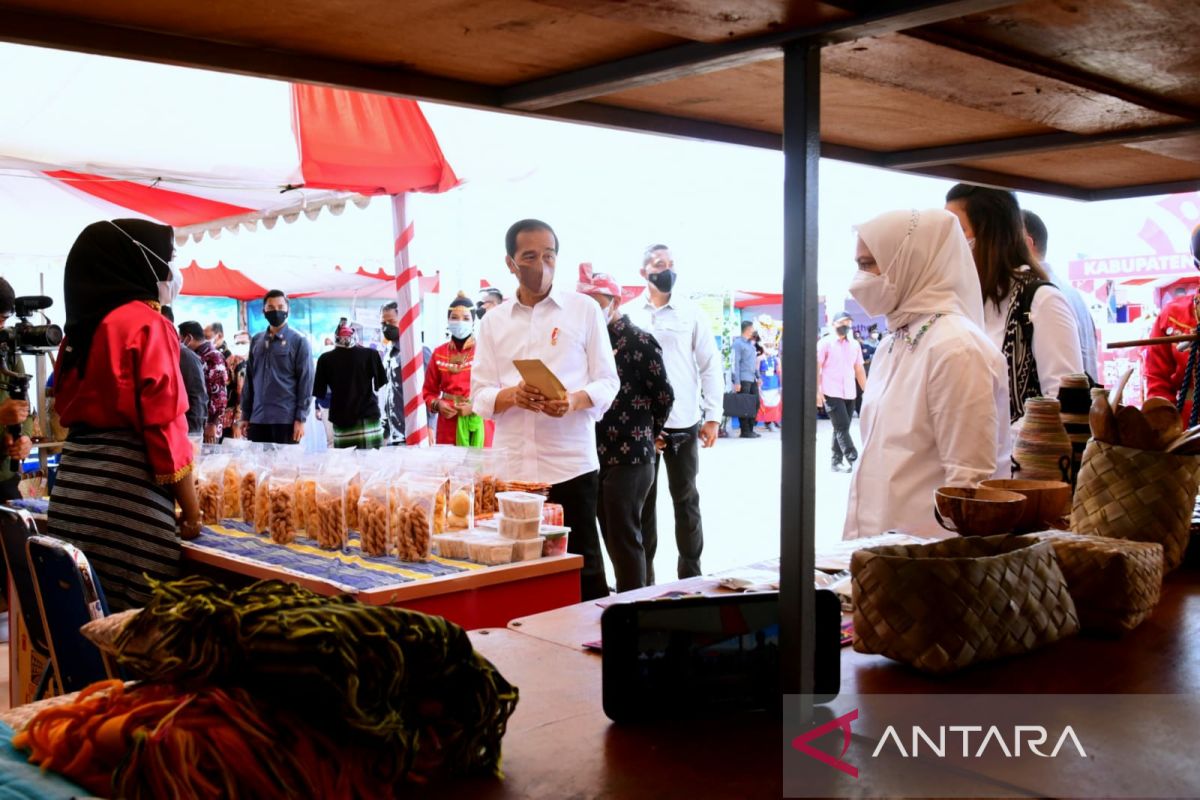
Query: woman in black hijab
{"type": "Point", "coordinates": [118, 389]}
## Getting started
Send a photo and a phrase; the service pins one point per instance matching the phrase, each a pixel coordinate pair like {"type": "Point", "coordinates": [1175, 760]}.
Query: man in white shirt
{"type": "Point", "coordinates": [1038, 237]}
{"type": "Point", "coordinates": [694, 369]}
{"type": "Point", "coordinates": [549, 441]}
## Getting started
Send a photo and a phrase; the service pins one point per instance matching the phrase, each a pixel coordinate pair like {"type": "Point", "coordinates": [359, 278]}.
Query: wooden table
{"type": "Point", "coordinates": [1161, 656]}
{"type": "Point", "coordinates": [476, 599]}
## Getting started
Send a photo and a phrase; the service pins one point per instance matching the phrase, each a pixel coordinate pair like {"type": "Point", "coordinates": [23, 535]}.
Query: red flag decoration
{"type": "Point", "coordinates": [408, 297]}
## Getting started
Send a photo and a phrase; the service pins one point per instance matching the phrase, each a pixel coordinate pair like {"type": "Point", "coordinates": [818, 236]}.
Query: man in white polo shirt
{"type": "Point", "coordinates": [549, 441]}
{"type": "Point", "coordinates": [694, 368]}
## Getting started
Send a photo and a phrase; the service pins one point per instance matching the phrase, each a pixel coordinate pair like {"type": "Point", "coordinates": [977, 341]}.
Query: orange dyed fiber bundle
{"type": "Point", "coordinates": [158, 741]}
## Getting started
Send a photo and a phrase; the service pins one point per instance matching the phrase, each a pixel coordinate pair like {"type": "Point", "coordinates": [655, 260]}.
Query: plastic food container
{"type": "Point", "coordinates": [555, 542]}
{"type": "Point", "coordinates": [491, 550]}
{"type": "Point", "coordinates": [518, 528]}
{"type": "Point", "coordinates": [528, 549]}
{"type": "Point", "coordinates": [454, 545]}
{"type": "Point", "coordinates": [521, 505]}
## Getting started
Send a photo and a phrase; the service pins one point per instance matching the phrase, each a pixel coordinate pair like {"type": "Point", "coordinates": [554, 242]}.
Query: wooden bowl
{"type": "Point", "coordinates": [1046, 502]}
{"type": "Point", "coordinates": [978, 512]}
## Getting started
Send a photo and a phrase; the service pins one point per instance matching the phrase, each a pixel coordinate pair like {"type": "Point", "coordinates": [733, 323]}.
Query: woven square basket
{"type": "Point", "coordinates": [1115, 583]}
{"type": "Point", "coordinates": [943, 606]}
{"type": "Point", "coordinates": [1146, 496]}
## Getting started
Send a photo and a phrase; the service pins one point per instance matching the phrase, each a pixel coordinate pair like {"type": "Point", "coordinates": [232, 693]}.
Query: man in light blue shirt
{"type": "Point", "coordinates": [745, 374]}
{"type": "Point", "coordinates": [279, 378]}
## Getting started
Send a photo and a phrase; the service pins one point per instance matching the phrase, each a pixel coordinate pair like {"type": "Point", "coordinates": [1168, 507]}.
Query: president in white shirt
{"type": "Point", "coordinates": [549, 441]}
{"type": "Point", "coordinates": [694, 368]}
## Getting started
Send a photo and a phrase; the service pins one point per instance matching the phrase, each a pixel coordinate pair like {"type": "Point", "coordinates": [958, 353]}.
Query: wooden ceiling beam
{"type": "Point", "coordinates": [1027, 145]}
{"type": "Point", "coordinates": [698, 58]}
{"type": "Point", "coordinates": [1037, 65]}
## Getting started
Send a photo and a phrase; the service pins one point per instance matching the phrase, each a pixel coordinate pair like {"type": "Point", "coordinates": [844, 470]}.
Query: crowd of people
{"type": "Point", "coordinates": [644, 384]}
{"type": "Point", "coordinates": [976, 326]}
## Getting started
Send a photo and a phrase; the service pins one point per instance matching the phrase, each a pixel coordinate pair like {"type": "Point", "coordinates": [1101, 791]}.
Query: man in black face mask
{"type": "Point", "coordinates": [279, 378]}
{"type": "Point", "coordinates": [694, 369]}
{"type": "Point", "coordinates": [393, 397]}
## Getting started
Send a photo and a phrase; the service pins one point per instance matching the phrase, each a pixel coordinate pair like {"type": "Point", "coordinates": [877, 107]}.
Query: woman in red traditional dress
{"type": "Point", "coordinates": [447, 390]}
{"type": "Point", "coordinates": [1166, 364]}
{"type": "Point", "coordinates": [127, 460]}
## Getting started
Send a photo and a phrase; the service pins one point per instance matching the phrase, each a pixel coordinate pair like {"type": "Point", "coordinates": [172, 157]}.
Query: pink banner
{"type": "Point", "coordinates": [1131, 267]}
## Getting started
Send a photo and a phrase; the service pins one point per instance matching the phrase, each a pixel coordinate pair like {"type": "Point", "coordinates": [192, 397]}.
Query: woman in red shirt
{"type": "Point", "coordinates": [127, 460]}
{"type": "Point", "coordinates": [447, 390]}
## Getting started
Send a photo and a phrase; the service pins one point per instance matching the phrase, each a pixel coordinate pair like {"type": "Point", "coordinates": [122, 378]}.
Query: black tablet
{"type": "Point", "coordinates": [706, 655]}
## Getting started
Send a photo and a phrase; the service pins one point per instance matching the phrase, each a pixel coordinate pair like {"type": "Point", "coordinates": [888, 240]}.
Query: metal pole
{"type": "Point", "coordinates": [801, 151]}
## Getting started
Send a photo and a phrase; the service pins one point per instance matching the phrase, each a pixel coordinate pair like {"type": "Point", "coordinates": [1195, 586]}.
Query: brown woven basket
{"type": "Point", "coordinates": [1146, 496]}
{"type": "Point", "coordinates": [946, 605]}
{"type": "Point", "coordinates": [1115, 583]}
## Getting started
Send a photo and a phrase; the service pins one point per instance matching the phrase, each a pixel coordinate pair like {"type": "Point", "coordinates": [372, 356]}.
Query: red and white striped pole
{"type": "Point", "coordinates": [408, 296]}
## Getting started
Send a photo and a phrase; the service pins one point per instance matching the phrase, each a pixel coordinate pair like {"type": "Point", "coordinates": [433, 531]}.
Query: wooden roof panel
{"type": "Point", "coordinates": [491, 43]}
{"type": "Point", "coordinates": [1096, 167]}
{"type": "Point", "coordinates": [1148, 44]}
{"type": "Point", "coordinates": [704, 21]}
{"type": "Point", "coordinates": [904, 62]}
{"type": "Point", "coordinates": [1043, 73]}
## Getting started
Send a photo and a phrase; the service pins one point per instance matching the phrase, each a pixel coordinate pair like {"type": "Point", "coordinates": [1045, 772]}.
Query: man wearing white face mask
{"type": "Point", "coordinates": [549, 440]}
{"type": "Point", "coordinates": [935, 410]}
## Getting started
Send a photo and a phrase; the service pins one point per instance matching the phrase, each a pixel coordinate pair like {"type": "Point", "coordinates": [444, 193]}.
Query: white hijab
{"type": "Point", "coordinates": [925, 256]}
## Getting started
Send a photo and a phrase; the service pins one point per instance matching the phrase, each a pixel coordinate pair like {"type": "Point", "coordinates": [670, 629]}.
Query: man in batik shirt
{"type": "Point", "coordinates": [216, 376]}
{"type": "Point", "coordinates": [626, 436]}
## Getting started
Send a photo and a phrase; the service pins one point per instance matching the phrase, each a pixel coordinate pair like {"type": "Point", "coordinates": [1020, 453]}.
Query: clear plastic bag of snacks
{"type": "Point", "coordinates": [414, 499]}
{"type": "Point", "coordinates": [211, 488]}
{"type": "Point", "coordinates": [262, 499]}
{"type": "Point", "coordinates": [374, 528]}
{"type": "Point", "coordinates": [281, 494]}
{"type": "Point", "coordinates": [329, 527]}
{"type": "Point", "coordinates": [248, 471]}
{"type": "Point", "coordinates": [488, 467]}
{"type": "Point", "coordinates": [552, 514]}
{"type": "Point", "coordinates": [460, 507]}
{"type": "Point", "coordinates": [306, 494]}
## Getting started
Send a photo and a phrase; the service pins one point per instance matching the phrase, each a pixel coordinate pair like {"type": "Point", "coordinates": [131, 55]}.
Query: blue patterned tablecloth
{"type": "Point", "coordinates": [350, 571]}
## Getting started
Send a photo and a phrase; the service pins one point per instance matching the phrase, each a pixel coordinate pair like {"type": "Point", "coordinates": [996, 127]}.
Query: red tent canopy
{"type": "Point", "coordinates": [219, 281]}
{"type": "Point", "coordinates": [744, 299]}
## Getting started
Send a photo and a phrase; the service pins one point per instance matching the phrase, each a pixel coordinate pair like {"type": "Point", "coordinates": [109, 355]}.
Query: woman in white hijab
{"type": "Point", "coordinates": [935, 410]}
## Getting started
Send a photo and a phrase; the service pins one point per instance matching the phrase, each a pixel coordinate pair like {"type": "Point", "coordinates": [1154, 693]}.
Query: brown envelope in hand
{"type": "Point", "coordinates": [536, 374]}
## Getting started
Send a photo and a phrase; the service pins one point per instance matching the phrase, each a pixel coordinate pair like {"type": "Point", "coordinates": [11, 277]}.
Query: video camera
{"type": "Point", "coordinates": [25, 337]}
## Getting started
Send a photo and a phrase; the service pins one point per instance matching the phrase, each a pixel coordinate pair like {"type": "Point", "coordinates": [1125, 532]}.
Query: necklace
{"type": "Point", "coordinates": [912, 341]}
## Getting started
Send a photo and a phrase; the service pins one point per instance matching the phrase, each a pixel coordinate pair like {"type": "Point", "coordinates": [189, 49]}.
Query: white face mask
{"type": "Point", "coordinates": [460, 328]}
{"type": "Point", "coordinates": [877, 296]}
{"type": "Point", "coordinates": [169, 289]}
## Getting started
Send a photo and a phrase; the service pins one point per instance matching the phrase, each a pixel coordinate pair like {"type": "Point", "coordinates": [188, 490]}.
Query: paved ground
{"type": "Point", "coordinates": [739, 500]}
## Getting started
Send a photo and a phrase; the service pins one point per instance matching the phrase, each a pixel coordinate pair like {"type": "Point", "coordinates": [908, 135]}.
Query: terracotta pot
{"type": "Point", "coordinates": [1043, 449]}
{"type": "Point", "coordinates": [977, 512]}
{"type": "Point", "coordinates": [1046, 502]}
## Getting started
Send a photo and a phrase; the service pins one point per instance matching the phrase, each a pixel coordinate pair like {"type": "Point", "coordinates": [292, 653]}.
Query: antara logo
{"type": "Point", "coordinates": [842, 723]}
{"type": "Point", "coordinates": [1024, 738]}
{"type": "Point", "coordinates": [1033, 736]}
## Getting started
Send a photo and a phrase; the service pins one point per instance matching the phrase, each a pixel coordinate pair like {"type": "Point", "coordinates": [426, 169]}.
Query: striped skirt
{"type": "Point", "coordinates": [105, 502]}
{"type": "Point", "coordinates": [367, 434]}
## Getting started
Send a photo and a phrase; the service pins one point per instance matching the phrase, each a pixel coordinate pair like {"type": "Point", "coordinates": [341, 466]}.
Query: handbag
{"type": "Point", "coordinates": [737, 404]}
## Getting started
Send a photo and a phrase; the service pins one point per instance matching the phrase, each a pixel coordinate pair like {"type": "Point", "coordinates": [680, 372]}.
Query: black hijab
{"type": "Point", "coordinates": [106, 269]}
